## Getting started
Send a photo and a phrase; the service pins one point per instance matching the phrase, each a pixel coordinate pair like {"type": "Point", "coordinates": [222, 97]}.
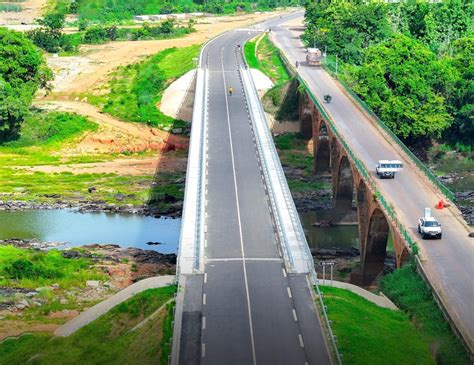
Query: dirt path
{"type": "Point", "coordinates": [32, 9]}
{"type": "Point", "coordinates": [80, 74]}
{"type": "Point", "coordinates": [125, 166]}
{"type": "Point", "coordinates": [115, 135]}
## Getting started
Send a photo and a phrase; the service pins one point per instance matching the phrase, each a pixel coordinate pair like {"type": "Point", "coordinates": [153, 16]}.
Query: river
{"type": "Point", "coordinates": [126, 230]}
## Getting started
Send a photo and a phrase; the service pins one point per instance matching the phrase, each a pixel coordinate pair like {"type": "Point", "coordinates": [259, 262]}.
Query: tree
{"type": "Point", "coordinates": [404, 83]}
{"type": "Point", "coordinates": [22, 72]}
{"type": "Point", "coordinates": [345, 27]}
{"type": "Point", "coordinates": [462, 100]}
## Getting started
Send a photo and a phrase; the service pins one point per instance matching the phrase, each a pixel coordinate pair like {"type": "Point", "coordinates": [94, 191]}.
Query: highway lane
{"type": "Point", "coordinates": [449, 262]}
{"type": "Point", "coordinates": [251, 309]}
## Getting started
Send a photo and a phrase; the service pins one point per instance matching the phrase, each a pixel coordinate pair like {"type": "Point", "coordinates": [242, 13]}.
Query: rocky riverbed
{"type": "Point", "coordinates": [173, 208]}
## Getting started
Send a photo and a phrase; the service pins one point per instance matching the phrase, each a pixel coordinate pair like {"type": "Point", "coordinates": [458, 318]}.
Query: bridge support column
{"type": "Point", "coordinates": [306, 116]}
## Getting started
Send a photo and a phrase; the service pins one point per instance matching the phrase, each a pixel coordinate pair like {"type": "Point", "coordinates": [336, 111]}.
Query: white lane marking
{"type": "Point", "coordinates": [203, 350]}
{"type": "Point", "coordinates": [204, 299]}
{"type": "Point", "coordinates": [301, 340]}
{"type": "Point", "coordinates": [289, 291]}
{"type": "Point", "coordinates": [245, 259]}
{"type": "Point", "coordinates": [295, 317]}
{"type": "Point", "coordinates": [205, 278]}
{"type": "Point", "coordinates": [284, 272]}
{"type": "Point", "coordinates": [203, 323]}
{"type": "Point", "coordinates": [238, 214]}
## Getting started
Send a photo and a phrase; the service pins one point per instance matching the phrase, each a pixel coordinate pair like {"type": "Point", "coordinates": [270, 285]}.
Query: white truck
{"type": "Point", "coordinates": [388, 168]}
{"type": "Point", "coordinates": [428, 226]}
{"type": "Point", "coordinates": [313, 56]}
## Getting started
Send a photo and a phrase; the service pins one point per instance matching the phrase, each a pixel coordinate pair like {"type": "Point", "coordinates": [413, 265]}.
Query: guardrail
{"type": "Point", "coordinates": [273, 172]}
{"type": "Point", "coordinates": [331, 69]}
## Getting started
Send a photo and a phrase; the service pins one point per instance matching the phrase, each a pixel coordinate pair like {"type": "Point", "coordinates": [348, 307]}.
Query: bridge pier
{"type": "Point", "coordinates": [348, 188]}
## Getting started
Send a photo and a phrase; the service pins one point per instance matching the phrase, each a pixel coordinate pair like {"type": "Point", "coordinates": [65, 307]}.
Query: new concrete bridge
{"type": "Point", "coordinates": [245, 271]}
{"type": "Point", "coordinates": [348, 142]}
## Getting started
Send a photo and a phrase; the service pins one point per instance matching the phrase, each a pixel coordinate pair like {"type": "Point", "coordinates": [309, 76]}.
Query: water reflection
{"type": "Point", "coordinates": [335, 236]}
{"type": "Point", "coordinates": [125, 230]}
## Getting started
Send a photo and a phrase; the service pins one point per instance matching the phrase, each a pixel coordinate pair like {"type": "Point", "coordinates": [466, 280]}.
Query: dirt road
{"type": "Point", "coordinates": [115, 135]}
{"type": "Point", "coordinates": [80, 74]}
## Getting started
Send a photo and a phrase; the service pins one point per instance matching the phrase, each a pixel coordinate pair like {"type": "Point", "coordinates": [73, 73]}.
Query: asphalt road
{"type": "Point", "coordinates": [449, 262]}
{"type": "Point", "coordinates": [252, 311]}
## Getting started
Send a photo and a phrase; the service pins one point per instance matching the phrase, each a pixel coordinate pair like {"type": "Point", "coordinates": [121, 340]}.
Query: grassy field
{"type": "Point", "coordinates": [107, 340]}
{"type": "Point", "coordinates": [42, 136]}
{"type": "Point", "coordinates": [134, 91]}
{"type": "Point", "coordinates": [408, 291]}
{"type": "Point", "coordinates": [368, 334]}
{"type": "Point", "coordinates": [267, 60]}
{"type": "Point", "coordinates": [27, 268]}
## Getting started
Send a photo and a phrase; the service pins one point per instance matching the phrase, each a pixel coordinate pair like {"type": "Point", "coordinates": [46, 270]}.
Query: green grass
{"type": "Point", "coordinates": [134, 91]}
{"type": "Point", "coordinates": [107, 340]}
{"type": "Point", "coordinates": [22, 185]}
{"type": "Point", "coordinates": [48, 129]}
{"type": "Point", "coordinates": [368, 334]}
{"type": "Point", "coordinates": [268, 60]}
{"type": "Point", "coordinates": [408, 291]}
{"type": "Point", "coordinates": [28, 268]}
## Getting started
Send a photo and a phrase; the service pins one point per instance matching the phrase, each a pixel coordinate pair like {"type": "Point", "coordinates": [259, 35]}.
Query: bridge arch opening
{"type": "Point", "coordinates": [375, 246]}
{"type": "Point", "coordinates": [322, 158]}
{"type": "Point", "coordinates": [344, 191]}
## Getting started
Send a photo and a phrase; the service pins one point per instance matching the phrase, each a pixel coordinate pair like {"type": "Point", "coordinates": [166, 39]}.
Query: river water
{"type": "Point", "coordinates": [126, 230]}
{"type": "Point", "coordinates": [129, 230]}
{"type": "Point", "coordinates": [341, 236]}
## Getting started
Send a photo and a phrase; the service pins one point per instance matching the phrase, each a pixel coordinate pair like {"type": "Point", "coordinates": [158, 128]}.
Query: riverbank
{"type": "Point", "coordinates": [42, 288]}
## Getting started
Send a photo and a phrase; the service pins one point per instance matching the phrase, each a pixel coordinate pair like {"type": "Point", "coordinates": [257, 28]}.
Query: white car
{"type": "Point", "coordinates": [388, 168]}
{"type": "Point", "coordinates": [429, 227]}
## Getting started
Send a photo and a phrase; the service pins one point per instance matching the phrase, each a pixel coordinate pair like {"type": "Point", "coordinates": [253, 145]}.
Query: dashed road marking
{"type": "Point", "coordinates": [301, 340]}
{"type": "Point", "coordinates": [289, 291]}
{"type": "Point", "coordinates": [295, 317]}
{"type": "Point", "coordinates": [204, 323]}
{"type": "Point", "coordinates": [203, 350]}
{"type": "Point", "coordinates": [284, 272]}
{"type": "Point", "coordinates": [204, 297]}
{"type": "Point", "coordinates": [205, 278]}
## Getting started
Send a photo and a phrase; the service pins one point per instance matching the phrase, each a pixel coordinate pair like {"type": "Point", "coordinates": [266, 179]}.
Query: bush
{"type": "Point", "coordinates": [24, 269]}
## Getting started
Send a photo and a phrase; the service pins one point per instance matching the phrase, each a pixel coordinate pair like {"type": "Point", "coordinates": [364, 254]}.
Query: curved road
{"type": "Point", "coordinates": [449, 262]}
{"type": "Point", "coordinates": [244, 308]}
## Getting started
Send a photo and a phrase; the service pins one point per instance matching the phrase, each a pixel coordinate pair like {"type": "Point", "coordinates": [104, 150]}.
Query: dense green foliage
{"type": "Point", "coordinates": [408, 291]}
{"type": "Point", "coordinates": [40, 129]}
{"type": "Point", "coordinates": [107, 340]}
{"type": "Point", "coordinates": [51, 37]}
{"type": "Point", "coordinates": [113, 10]}
{"type": "Point", "coordinates": [32, 269]}
{"type": "Point", "coordinates": [403, 82]}
{"type": "Point", "coordinates": [22, 72]}
{"type": "Point", "coordinates": [135, 90]}
{"type": "Point", "coordinates": [410, 61]}
{"type": "Point", "coordinates": [368, 334]}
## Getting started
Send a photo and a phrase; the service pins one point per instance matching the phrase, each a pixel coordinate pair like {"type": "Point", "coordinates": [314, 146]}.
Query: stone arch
{"type": "Point", "coordinates": [322, 154]}
{"type": "Point", "coordinates": [344, 189]}
{"type": "Point", "coordinates": [362, 209]}
{"type": "Point", "coordinates": [375, 247]}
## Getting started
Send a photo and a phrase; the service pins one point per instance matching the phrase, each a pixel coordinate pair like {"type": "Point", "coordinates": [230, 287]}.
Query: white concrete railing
{"type": "Point", "coordinates": [191, 253]}
{"type": "Point", "coordinates": [297, 254]}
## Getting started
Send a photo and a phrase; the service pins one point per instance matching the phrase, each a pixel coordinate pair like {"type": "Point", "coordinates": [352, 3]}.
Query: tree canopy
{"type": "Point", "coordinates": [22, 72]}
{"type": "Point", "coordinates": [397, 80]}
{"type": "Point", "coordinates": [411, 61]}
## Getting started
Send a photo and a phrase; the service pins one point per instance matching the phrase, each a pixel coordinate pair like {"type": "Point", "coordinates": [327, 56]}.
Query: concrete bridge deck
{"type": "Point", "coordinates": [449, 262]}
{"type": "Point", "coordinates": [242, 302]}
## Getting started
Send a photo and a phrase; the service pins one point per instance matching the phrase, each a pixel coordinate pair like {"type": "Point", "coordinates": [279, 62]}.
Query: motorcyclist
{"type": "Point", "coordinates": [231, 90]}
